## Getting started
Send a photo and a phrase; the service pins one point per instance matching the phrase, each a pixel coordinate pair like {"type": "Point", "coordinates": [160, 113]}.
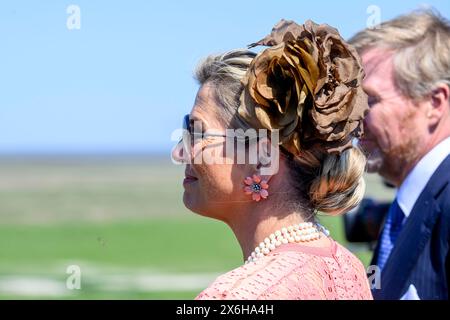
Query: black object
{"type": "Point", "coordinates": [363, 224]}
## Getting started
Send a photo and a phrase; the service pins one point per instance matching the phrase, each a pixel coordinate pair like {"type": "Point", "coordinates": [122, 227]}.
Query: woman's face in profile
{"type": "Point", "coordinates": [213, 184]}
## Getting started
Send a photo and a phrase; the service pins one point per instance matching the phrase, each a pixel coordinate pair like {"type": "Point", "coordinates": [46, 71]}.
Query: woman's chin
{"type": "Point", "coordinates": [193, 204]}
{"type": "Point", "coordinates": [191, 201]}
{"type": "Point", "coordinates": [187, 200]}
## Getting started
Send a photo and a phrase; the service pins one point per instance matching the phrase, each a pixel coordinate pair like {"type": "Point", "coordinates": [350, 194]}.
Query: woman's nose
{"type": "Point", "coordinates": [178, 153]}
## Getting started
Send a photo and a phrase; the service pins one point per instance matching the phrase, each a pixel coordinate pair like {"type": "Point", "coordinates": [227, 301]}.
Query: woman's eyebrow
{"type": "Point", "coordinates": [198, 122]}
{"type": "Point", "coordinates": [192, 119]}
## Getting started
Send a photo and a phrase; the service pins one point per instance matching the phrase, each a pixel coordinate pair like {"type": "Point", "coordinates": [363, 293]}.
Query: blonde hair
{"type": "Point", "coordinates": [421, 45]}
{"type": "Point", "coordinates": [225, 72]}
{"type": "Point", "coordinates": [330, 183]}
{"type": "Point", "coordinates": [340, 185]}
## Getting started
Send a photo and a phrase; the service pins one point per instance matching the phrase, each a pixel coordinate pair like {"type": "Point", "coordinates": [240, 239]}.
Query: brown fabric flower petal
{"type": "Point", "coordinates": [307, 85]}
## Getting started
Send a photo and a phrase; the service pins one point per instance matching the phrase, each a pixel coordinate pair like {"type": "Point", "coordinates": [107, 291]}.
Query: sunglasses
{"type": "Point", "coordinates": [191, 136]}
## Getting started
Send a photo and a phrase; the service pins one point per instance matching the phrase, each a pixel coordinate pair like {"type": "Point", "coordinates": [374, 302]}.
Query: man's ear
{"type": "Point", "coordinates": [439, 104]}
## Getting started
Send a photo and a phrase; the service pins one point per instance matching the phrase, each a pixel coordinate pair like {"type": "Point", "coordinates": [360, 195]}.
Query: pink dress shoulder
{"type": "Point", "coordinates": [295, 272]}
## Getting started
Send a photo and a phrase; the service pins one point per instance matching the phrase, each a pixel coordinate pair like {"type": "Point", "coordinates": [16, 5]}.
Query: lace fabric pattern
{"type": "Point", "coordinates": [295, 272]}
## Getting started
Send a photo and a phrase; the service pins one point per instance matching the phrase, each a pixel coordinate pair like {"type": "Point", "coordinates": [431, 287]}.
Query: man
{"type": "Point", "coordinates": [407, 139]}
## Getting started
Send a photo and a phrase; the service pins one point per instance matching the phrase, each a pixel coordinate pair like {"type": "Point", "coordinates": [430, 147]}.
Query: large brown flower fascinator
{"type": "Point", "coordinates": [307, 84]}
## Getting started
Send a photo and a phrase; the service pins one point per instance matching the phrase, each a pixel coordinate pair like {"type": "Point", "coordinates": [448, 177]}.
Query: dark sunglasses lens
{"type": "Point", "coordinates": [186, 134]}
{"type": "Point", "coordinates": [186, 122]}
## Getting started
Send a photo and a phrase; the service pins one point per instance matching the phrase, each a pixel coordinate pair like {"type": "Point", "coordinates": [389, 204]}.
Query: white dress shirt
{"type": "Point", "coordinates": [417, 179]}
{"type": "Point", "coordinates": [412, 187]}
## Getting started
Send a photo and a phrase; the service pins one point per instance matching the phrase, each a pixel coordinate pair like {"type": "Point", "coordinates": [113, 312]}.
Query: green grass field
{"type": "Point", "coordinates": [122, 221]}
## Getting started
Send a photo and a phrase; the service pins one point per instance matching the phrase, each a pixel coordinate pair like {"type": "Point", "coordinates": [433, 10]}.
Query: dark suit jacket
{"type": "Point", "coordinates": [421, 253]}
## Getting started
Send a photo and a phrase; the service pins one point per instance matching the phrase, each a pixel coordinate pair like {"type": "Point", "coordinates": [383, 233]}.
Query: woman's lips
{"type": "Point", "coordinates": [188, 179]}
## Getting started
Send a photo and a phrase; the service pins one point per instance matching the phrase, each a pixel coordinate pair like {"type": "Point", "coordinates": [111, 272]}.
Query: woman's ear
{"type": "Point", "coordinates": [268, 157]}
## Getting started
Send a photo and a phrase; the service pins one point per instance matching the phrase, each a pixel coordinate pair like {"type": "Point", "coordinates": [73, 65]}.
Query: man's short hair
{"type": "Point", "coordinates": [420, 42]}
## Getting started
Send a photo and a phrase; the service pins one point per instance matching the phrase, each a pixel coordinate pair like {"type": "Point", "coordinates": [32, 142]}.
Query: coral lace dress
{"type": "Point", "coordinates": [294, 271]}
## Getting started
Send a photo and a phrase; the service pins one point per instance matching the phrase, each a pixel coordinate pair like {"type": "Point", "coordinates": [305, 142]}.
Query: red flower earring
{"type": "Point", "coordinates": [256, 187]}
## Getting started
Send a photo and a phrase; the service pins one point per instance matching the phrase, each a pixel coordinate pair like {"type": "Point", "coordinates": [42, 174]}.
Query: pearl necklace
{"type": "Point", "coordinates": [302, 232]}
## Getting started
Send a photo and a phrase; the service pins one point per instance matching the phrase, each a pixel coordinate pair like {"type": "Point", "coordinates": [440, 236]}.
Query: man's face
{"type": "Point", "coordinates": [394, 127]}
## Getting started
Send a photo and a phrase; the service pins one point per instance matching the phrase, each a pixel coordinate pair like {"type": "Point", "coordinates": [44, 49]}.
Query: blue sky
{"type": "Point", "coordinates": [123, 81]}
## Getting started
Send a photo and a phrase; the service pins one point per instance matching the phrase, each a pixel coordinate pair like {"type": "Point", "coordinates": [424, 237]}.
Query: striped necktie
{"type": "Point", "coordinates": [391, 230]}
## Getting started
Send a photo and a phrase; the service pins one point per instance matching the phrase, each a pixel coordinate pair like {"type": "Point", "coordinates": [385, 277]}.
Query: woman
{"type": "Point", "coordinates": [305, 91]}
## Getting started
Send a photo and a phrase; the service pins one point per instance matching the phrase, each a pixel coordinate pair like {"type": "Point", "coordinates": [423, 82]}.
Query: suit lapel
{"type": "Point", "coordinates": [409, 245]}
{"type": "Point", "coordinates": [413, 237]}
